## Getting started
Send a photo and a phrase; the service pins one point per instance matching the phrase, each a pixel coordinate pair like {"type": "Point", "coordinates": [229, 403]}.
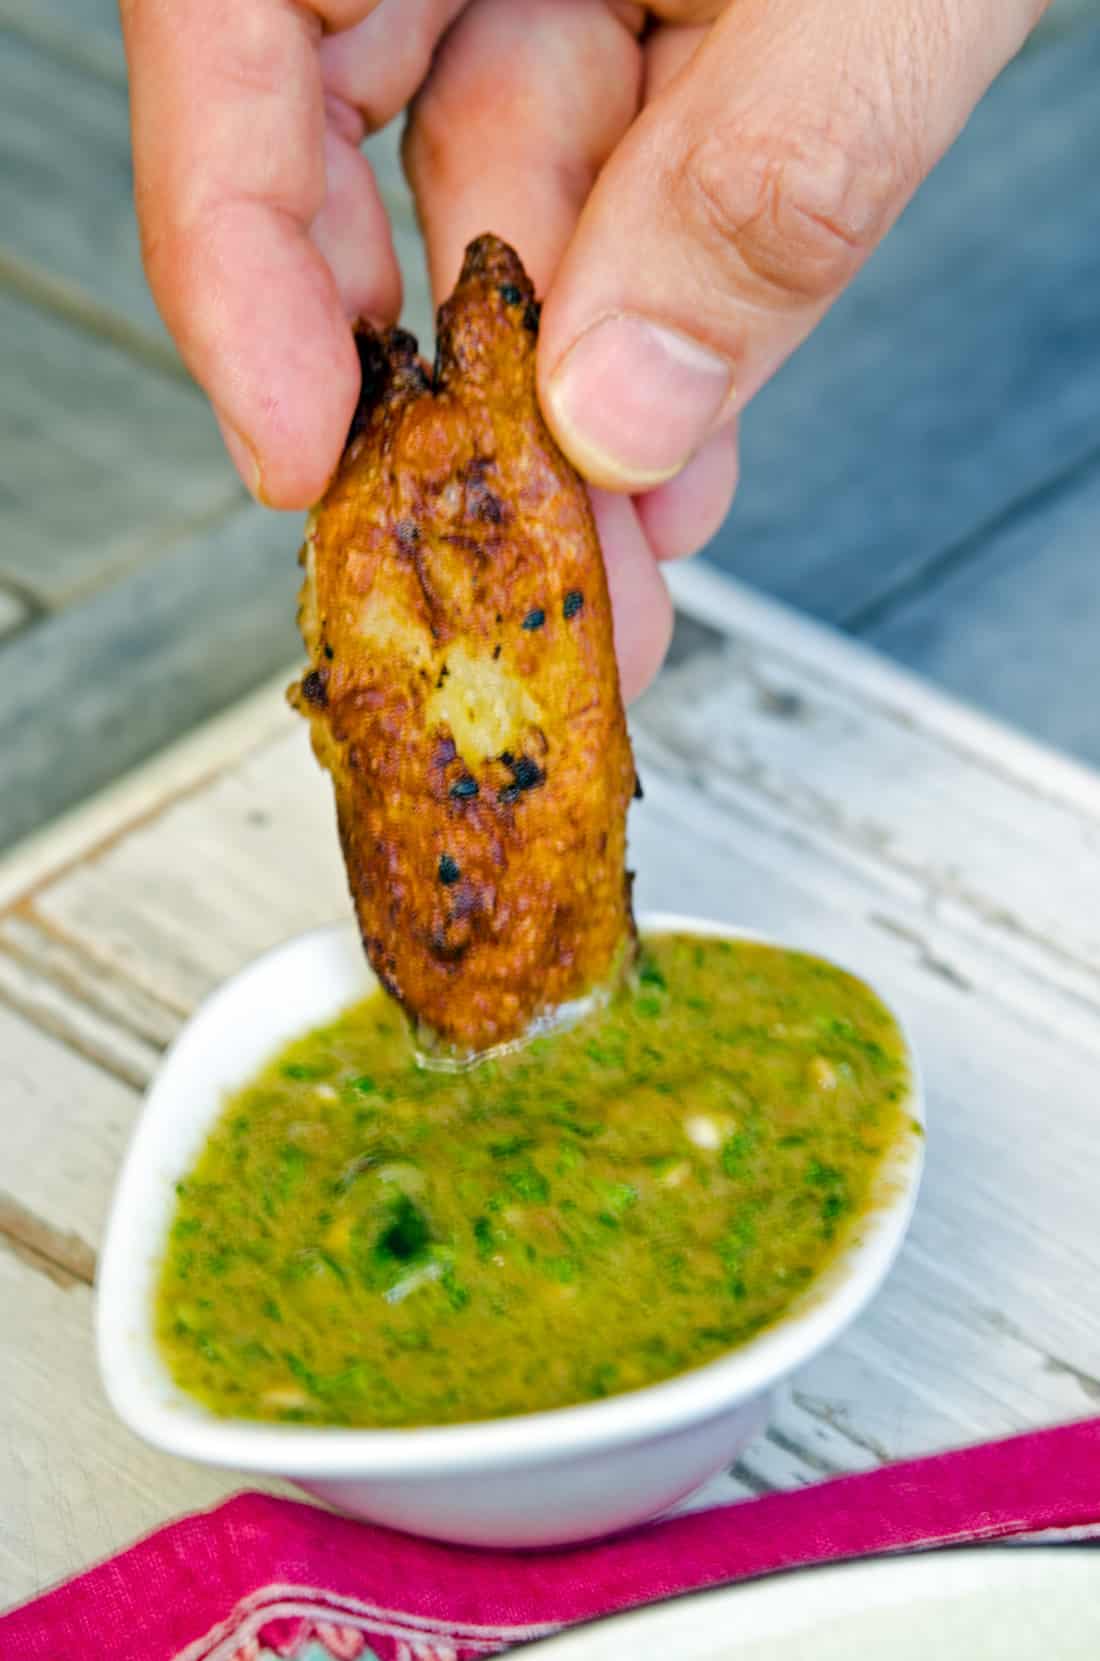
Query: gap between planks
{"type": "Point", "coordinates": [915, 585]}
{"type": "Point", "coordinates": [60, 1255]}
{"type": "Point", "coordinates": [838, 661]}
{"type": "Point", "coordinates": [58, 297]}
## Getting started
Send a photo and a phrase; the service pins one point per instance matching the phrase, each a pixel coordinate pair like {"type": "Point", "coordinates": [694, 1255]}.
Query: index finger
{"type": "Point", "coordinates": [228, 121]}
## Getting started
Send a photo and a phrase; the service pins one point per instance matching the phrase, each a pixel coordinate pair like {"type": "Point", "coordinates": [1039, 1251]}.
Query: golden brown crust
{"type": "Point", "coordinates": [463, 690]}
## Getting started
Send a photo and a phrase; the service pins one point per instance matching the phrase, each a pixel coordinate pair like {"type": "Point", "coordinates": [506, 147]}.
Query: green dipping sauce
{"type": "Point", "coordinates": [363, 1242]}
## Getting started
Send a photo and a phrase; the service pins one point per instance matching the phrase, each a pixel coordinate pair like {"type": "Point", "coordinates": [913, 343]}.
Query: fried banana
{"type": "Point", "coordinates": [463, 690]}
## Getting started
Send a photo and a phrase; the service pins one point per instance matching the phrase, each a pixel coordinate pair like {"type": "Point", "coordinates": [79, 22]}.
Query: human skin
{"type": "Point", "coordinates": [691, 184]}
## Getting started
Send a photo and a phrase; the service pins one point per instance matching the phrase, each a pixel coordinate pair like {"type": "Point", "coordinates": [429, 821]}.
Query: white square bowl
{"type": "Point", "coordinates": [541, 1479]}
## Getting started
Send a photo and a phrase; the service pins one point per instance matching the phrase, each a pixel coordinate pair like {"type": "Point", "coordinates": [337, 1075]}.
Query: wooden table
{"type": "Point", "coordinates": [794, 783]}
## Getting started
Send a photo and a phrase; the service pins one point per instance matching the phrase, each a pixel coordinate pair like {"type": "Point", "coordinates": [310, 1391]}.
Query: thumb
{"type": "Point", "coordinates": [740, 204]}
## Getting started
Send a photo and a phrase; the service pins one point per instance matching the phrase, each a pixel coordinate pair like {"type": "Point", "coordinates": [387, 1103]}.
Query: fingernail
{"type": "Point", "coordinates": [242, 455]}
{"type": "Point", "coordinates": [631, 401]}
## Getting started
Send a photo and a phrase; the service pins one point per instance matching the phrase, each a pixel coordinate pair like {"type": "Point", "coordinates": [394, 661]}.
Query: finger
{"type": "Point", "coordinates": [378, 65]}
{"type": "Point", "coordinates": [515, 151]}
{"type": "Point", "coordinates": [517, 154]}
{"type": "Point", "coordinates": [668, 51]}
{"type": "Point", "coordinates": [740, 204]}
{"type": "Point", "coordinates": [640, 603]}
{"type": "Point", "coordinates": [680, 517]}
{"type": "Point", "coordinates": [350, 226]}
{"type": "Point", "coordinates": [228, 124]}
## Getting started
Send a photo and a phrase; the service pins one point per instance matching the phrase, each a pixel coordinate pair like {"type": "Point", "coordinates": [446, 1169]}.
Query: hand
{"type": "Point", "coordinates": [691, 184]}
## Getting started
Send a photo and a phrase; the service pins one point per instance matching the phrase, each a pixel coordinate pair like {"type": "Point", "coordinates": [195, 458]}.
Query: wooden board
{"type": "Point", "coordinates": [66, 188]}
{"type": "Point", "coordinates": [104, 462]}
{"type": "Point", "coordinates": [66, 182]}
{"type": "Point", "coordinates": [960, 372]}
{"type": "Point", "coordinates": [1015, 626]}
{"type": "Point", "coordinates": [74, 1484]}
{"type": "Point", "coordinates": [794, 783]}
{"type": "Point", "coordinates": [98, 688]}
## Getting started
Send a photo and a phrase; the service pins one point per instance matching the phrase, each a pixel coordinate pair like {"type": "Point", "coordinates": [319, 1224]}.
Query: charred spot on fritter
{"type": "Point", "coordinates": [385, 361]}
{"type": "Point", "coordinates": [526, 775]}
{"type": "Point", "coordinates": [315, 688]}
{"type": "Point", "coordinates": [482, 502]}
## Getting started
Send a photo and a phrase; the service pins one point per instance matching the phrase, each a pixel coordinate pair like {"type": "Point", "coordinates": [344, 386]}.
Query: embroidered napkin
{"type": "Point", "coordinates": [260, 1578]}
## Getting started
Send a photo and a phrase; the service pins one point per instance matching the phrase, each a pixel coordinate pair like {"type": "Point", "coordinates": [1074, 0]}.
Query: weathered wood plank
{"type": "Point", "coordinates": [66, 181]}
{"type": "Point", "coordinates": [988, 1323]}
{"type": "Point", "coordinates": [991, 835]}
{"type": "Point", "coordinates": [984, 1199]}
{"type": "Point", "coordinates": [75, 1484]}
{"type": "Point", "coordinates": [1001, 1206]}
{"type": "Point", "coordinates": [65, 1122]}
{"type": "Point", "coordinates": [960, 372]}
{"type": "Point", "coordinates": [988, 1223]}
{"type": "Point", "coordinates": [98, 688]}
{"type": "Point", "coordinates": [1014, 626]}
{"type": "Point", "coordinates": [104, 463]}
{"type": "Point", "coordinates": [81, 1025]}
{"type": "Point", "coordinates": [174, 771]}
{"type": "Point", "coordinates": [48, 958]}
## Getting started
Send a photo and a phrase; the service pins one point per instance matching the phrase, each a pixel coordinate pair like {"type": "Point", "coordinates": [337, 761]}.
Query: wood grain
{"type": "Point", "coordinates": [98, 688]}
{"type": "Point", "coordinates": [794, 783]}
{"type": "Point", "coordinates": [74, 1484]}
{"type": "Point", "coordinates": [104, 464]}
{"type": "Point", "coordinates": [794, 786]}
{"type": "Point", "coordinates": [65, 1121]}
{"type": "Point", "coordinates": [1015, 626]}
{"type": "Point", "coordinates": [66, 182]}
{"type": "Point", "coordinates": [66, 185]}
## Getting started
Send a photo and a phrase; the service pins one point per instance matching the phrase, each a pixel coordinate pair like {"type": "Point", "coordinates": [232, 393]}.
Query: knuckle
{"type": "Point", "coordinates": [798, 208]}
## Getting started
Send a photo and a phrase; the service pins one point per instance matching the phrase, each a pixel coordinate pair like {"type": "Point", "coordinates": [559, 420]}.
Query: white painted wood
{"type": "Point", "coordinates": [65, 1123]}
{"type": "Point", "coordinates": [176, 769]}
{"type": "Point", "coordinates": [75, 1486]}
{"type": "Point", "coordinates": [76, 1021]}
{"type": "Point", "coordinates": [51, 962]}
{"type": "Point", "coordinates": [997, 837]}
{"type": "Point", "coordinates": [793, 782]}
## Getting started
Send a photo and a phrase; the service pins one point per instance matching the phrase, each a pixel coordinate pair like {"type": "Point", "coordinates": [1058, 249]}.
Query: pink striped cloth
{"type": "Point", "coordinates": [260, 1578]}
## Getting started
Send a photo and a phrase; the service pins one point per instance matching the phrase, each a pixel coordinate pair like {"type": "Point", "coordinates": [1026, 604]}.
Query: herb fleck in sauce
{"type": "Point", "coordinates": [362, 1242]}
